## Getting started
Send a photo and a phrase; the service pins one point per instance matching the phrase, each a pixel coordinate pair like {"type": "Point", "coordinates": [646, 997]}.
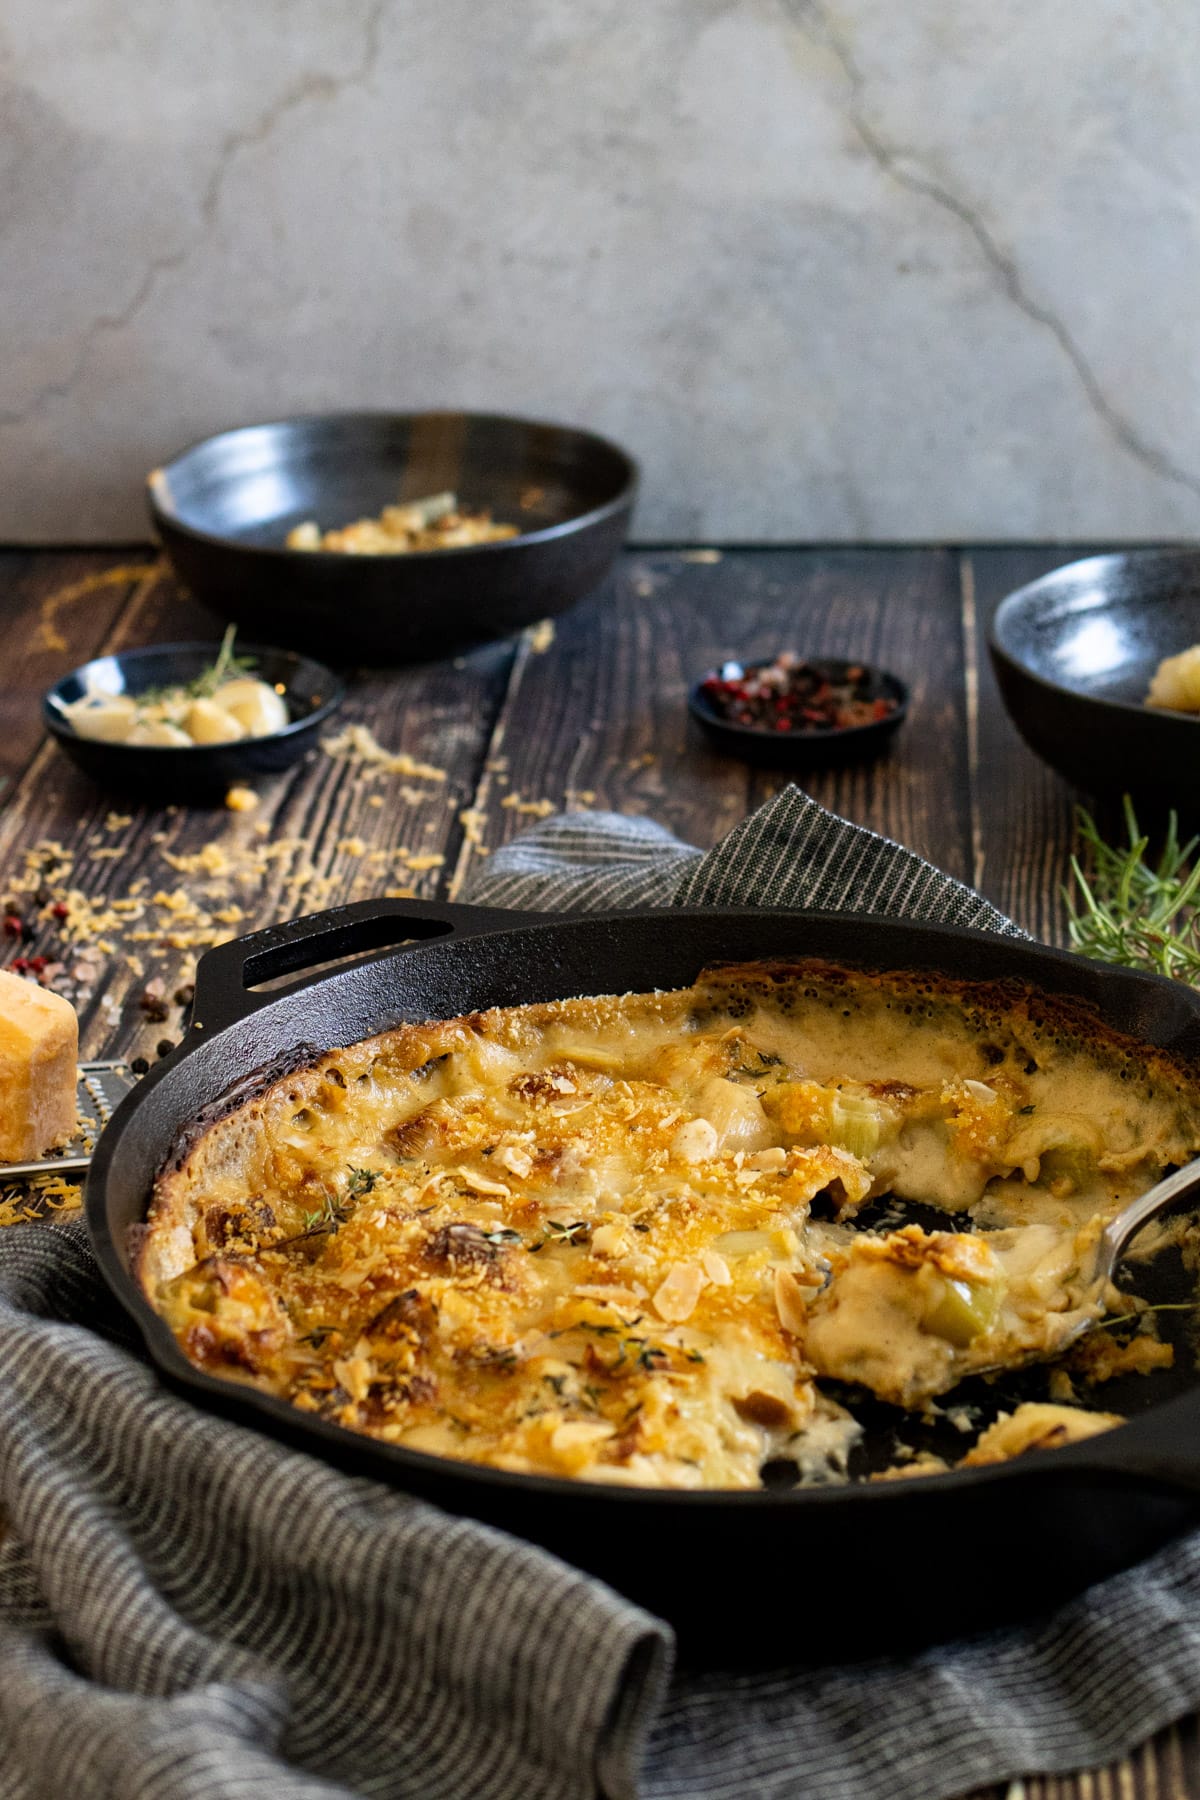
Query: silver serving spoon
{"type": "Point", "coordinates": [1118, 1232]}
{"type": "Point", "coordinates": [1110, 1247]}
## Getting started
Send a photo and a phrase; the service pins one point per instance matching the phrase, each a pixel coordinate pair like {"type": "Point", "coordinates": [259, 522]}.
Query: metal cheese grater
{"type": "Point", "coordinates": [101, 1087]}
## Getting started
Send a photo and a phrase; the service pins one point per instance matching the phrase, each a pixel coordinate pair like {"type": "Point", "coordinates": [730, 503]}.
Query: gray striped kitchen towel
{"type": "Point", "coordinates": [190, 1611]}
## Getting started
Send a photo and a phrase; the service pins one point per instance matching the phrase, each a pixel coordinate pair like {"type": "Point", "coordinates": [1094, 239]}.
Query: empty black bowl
{"type": "Point", "coordinates": [224, 508]}
{"type": "Point", "coordinates": [203, 771]}
{"type": "Point", "coordinates": [1074, 653]}
{"type": "Point", "coordinates": [807, 749]}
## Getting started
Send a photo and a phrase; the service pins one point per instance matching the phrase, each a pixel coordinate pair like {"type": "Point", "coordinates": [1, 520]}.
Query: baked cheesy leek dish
{"type": "Point", "coordinates": [615, 1238]}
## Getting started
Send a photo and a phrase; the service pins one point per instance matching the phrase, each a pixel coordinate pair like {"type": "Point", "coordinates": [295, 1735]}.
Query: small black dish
{"type": "Point", "coordinates": [807, 749]}
{"type": "Point", "coordinates": [224, 508]}
{"type": "Point", "coordinates": [1074, 653]}
{"type": "Point", "coordinates": [203, 771]}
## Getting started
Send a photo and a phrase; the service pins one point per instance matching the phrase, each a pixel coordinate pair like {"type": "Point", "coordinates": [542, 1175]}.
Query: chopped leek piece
{"type": "Point", "coordinates": [962, 1310]}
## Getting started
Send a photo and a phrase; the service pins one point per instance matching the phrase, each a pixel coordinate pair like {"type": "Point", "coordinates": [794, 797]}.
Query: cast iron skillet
{"type": "Point", "coordinates": [812, 1572]}
{"type": "Point", "coordinates": [224, 507]}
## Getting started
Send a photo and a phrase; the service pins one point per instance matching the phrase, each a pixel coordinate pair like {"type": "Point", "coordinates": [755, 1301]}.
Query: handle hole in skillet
{"type": "Point", "coordinates": [270, 970]}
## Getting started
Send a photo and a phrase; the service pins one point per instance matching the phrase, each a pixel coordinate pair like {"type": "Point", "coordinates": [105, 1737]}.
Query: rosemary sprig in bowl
{"type": "Point", "coordinates": [205, 685]}
{"type": "Point", "coordinates": [1127, 909]}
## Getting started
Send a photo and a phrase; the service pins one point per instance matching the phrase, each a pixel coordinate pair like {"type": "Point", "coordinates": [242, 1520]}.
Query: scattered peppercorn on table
{"type": "Point", "coordinates": [428, 770]}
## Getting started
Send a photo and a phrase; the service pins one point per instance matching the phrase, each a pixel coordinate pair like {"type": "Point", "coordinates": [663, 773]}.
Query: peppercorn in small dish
{"type": "Point", "coordinates": [795, 709]}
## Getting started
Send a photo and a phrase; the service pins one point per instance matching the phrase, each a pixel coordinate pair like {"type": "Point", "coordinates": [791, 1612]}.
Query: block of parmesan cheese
{"type": "Point", "coordinates": [39, 1049]}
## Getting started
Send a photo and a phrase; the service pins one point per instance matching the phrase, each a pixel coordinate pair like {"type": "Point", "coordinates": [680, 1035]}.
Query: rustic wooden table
{"type": "Point", "coordinates": [596, 718]}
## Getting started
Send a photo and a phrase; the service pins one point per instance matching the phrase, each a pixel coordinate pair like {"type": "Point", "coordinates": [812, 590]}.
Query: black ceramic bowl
{"type": "Point", "coordinates": [806, 749]}
{"type": "Point", "coordinates": [1074, 653]}
{"type": "Point", "coordinates": [204, 771]}
{"type": "Point", "coordinates": [224, 508]}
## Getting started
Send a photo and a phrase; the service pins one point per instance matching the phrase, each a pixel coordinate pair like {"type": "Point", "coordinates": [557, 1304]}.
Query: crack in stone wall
{"type": "Point", "coordinates": [812, 18]}
{"type": "Point", "coordinates": [309, 87]}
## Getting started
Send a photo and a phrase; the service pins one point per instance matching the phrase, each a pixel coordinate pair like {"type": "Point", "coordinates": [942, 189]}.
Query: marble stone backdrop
{"type": "Point", "coordinates": [833, 269]}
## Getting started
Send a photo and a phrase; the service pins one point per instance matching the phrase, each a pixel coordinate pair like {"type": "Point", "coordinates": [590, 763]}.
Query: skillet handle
{"type": "Point", "coordinates": [227, 977]}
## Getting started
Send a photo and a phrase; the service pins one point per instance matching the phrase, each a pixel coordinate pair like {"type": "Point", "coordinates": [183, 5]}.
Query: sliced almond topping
{"type": "Point", "coordinates": [716, 1268]}
{"type": "Point", "coordinates": [483, 1184]}
{"type": "Point", "coordinates": [676, 1298]}
{"type": "Point", "coordinates": [789, 1303]}
{"type": "Point", "coordinates": [696, 1141]}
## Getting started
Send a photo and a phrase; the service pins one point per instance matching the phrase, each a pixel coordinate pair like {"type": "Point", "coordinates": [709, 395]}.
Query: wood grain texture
{"type": "Point", "coordinates": [325, 831]}
{"type": "Point", "coordinates": [600, 718]}
{"type": "Point", "coordinates": [54, 612]}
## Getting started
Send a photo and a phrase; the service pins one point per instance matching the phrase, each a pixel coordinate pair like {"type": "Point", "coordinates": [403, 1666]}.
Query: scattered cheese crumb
{"type": "Point", "coordinates": [117, 821]}
{"type": "Point", "coordinates": [51, 1192]}
{"type": "Point", "coordinates": [49, 637]}
{"type": "Point", "coordinates": [241, 799]}
{"type": "Point", "coordinates": [358, 744]}
{"type": "Point", "coordinates": [539, 637]}
{"type": "Point", "coordinates": [211, 860]}
{"type": "Point", "coordinates": [472, 822]}
{"type": "Point", "coordinates": [536, 809]}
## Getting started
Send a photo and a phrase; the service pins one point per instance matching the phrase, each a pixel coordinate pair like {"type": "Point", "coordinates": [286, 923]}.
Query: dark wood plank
{"type": "Point", "coordinates": [597, 718]}
{"type": "Point", "coordinates": [325, 831]}
{"type": "Point", "coordinates": [1023, 813]}
{"type": "Point", "coordinates": [600, 718]}
{"type": "Point", "coordinates": [54, 612]}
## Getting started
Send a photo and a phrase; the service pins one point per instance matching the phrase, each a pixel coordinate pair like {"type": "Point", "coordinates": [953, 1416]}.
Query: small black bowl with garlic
{"type": "Point", "coordinates": [190, 721]}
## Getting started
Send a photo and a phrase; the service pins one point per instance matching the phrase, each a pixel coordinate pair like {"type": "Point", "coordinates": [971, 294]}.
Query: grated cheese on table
{"type": "Point", "coordinates": [359, 744]}
{"type": "Point", "coordinates": [44, 1193]}
{"type": "Point", "coordinates": [534, 809]}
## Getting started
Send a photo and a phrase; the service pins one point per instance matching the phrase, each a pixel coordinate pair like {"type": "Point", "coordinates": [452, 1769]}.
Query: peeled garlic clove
{"type": "Point", "coordinates": [258, 709]}
{"type": "Point", "coordinates": [159, 734]}
{"type": "Point", "coordinates": [208, 723]}
{"type": "Point", "coordinates": [109, 718]}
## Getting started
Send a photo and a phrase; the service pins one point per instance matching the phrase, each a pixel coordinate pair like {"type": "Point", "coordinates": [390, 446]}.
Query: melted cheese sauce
{"type": "Point", "coordinates": [578, 1238]}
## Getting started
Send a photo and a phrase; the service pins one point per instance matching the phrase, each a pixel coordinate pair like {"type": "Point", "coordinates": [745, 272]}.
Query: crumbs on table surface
{"type": "Point", "coordinates": [34, 1198]}
{"type": "Point", "coordinates": [358, 743]}
{"type": "Point", "coordinates": [534, 809]}
{"type": "Point", "coordinates": [64, 938]}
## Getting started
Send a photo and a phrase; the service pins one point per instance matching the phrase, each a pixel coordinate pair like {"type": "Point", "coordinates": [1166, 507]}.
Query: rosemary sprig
{"type": "Point", "coordinates": [205, 685]}
{"type": "Point", "coordinates": [1130, 910]}
{"type": "Point", "coordinates": [1159, 1306]}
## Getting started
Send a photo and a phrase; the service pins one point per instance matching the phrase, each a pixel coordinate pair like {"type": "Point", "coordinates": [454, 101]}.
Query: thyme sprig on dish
{"type": "Point", "coordinates": [1130, 910]}
{"type": "Point", "coordinates": [1144, 1312]}
{"type": "Point", "coordinates": [205, 685]}
{"type": "Point", "coordinates": [329, 1216]}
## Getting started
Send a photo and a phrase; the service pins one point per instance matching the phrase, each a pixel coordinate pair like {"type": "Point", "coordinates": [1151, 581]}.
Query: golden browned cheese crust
{"type": "Point", "coordinates": [578, 1238]}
